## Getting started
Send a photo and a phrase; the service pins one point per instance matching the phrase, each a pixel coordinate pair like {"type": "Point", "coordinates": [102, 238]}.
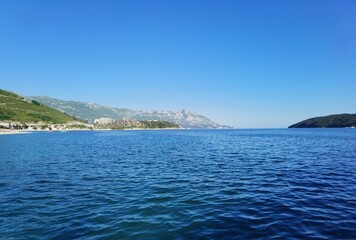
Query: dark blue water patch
{"type": "Point", "coordinates": [184, 184]}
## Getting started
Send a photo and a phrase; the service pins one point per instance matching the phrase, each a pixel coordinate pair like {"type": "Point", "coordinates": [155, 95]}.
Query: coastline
{"type": "Point", "coordinates": [7, 132]}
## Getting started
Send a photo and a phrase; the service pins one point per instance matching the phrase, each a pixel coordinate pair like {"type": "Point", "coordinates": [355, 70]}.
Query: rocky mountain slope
{"type": "Point", "coordinates": [331, 121]}
{"type": "Point", "coordinates": [92, 111]}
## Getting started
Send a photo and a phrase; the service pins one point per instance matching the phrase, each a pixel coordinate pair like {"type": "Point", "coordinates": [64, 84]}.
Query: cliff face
{"type": "Point", "coordinates": [331, 121]}
{"type": "Point", "coordinates": [92, 111]}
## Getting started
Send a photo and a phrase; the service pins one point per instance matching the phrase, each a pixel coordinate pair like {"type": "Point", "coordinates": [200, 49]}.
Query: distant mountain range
{"type": "Point", "coordinates": [91, 111]}
{"type": "Point", "coordinates": [331, 121]}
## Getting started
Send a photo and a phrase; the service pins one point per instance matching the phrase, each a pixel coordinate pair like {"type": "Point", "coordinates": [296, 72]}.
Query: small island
{"type": "Point", "coordinates": [332, 121]}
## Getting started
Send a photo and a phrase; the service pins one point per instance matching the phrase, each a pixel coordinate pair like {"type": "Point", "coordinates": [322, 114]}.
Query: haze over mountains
{"type": "Point", "coordinates": [91, 111]}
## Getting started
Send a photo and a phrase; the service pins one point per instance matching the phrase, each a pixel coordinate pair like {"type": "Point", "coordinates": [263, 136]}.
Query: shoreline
{"type": "Point", "coordinates": [8, 132]}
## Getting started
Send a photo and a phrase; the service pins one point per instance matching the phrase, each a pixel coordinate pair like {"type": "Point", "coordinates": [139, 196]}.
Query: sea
{"type": "Point", "coordinates": [179, 184]}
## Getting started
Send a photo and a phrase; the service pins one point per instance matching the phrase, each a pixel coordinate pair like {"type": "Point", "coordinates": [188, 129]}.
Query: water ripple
{"type": "Point", "coordinates": [230, 184]}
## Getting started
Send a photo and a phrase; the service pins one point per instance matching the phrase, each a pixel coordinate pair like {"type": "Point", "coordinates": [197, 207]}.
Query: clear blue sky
{"type": "Point", "coordinates": [242, 63]}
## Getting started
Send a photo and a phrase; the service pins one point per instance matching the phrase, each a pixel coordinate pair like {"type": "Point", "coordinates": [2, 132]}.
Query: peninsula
{"type": "Point", "coordinates": [332, 121]}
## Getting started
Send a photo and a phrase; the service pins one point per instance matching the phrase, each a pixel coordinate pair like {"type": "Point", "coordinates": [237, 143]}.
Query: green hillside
{"type": "Point", "coordinates": [331, 121]}
{"type": "Point", "coordinates": [158, 124]}
{"type": "Point", "coordinates": [16, 108]}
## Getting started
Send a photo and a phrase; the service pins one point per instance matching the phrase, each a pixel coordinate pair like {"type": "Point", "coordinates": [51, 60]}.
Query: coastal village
{"type": "Point", "coordinates": [10, 125]}
{"type": "Point", "coordinates": [99, 124]}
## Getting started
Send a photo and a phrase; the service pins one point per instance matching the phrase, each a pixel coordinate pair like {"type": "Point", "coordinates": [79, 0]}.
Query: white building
{"type": "Point", "coordinates": [103, 121]}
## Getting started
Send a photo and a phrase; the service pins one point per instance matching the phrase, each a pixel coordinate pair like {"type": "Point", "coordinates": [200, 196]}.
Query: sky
{"type": "Point", "coordinates": [247, 64]}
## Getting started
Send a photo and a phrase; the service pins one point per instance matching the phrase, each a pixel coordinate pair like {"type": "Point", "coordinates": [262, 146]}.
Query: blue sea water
{"type": "Point", "coordinates": [179, 184]}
